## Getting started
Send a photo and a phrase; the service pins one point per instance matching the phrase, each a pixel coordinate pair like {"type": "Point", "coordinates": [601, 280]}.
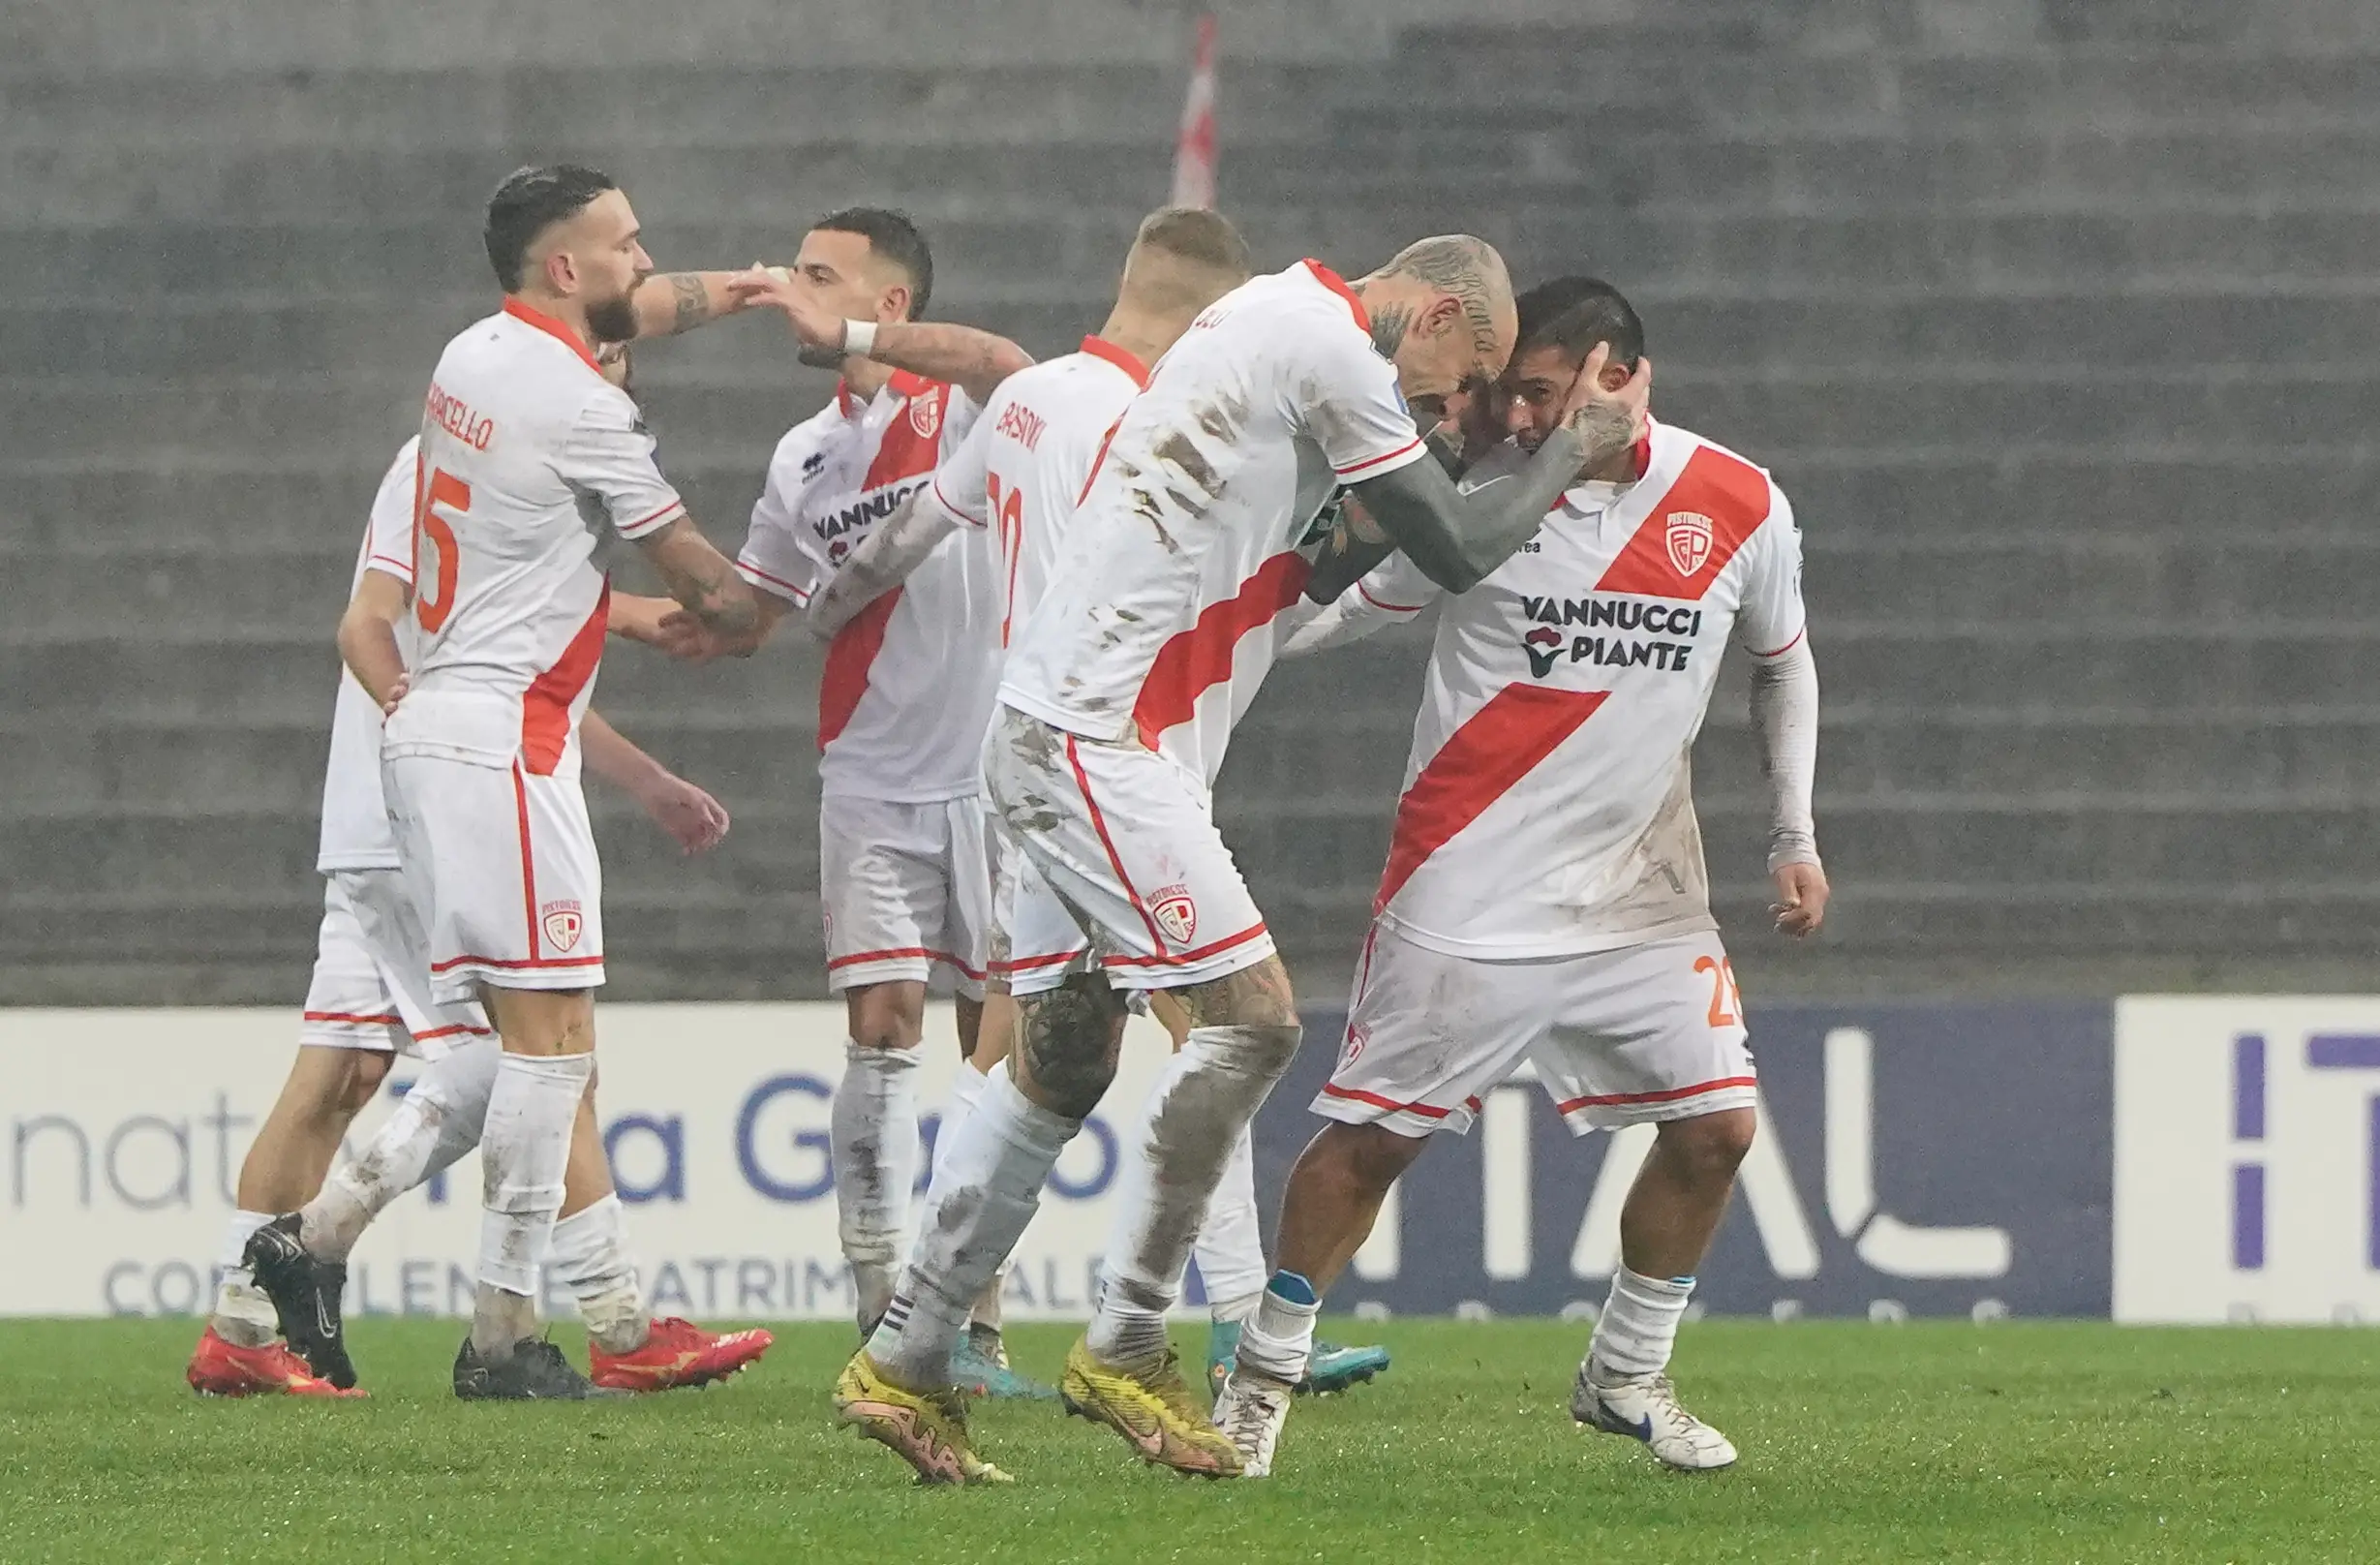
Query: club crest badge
{"type": "Point", "coordinates": [926, 414]}
{"type": "Point", "coordinates": [563, 924]}
{"type": "Point", "coordinates": [1175, 913]}
{"type": "Point", "coordinates": [1688, 539]}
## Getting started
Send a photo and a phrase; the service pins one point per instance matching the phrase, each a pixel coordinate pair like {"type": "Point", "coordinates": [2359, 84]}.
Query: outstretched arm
{"type": "Point", "coordinates": [698, 820]}
{"type": "Point", "coordinates": [670, 302]}
{"type": "Point", "coordinates": [702, 581]}
{"type": "Point", "coordinates": [1457, 538]}
{"type": "Point", "coordinates": [974, 360]}
{"type": "Point", "coordinates": [898, 545]}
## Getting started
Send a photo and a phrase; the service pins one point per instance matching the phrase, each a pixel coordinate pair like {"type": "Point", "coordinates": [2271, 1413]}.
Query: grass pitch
{"type": "Point", "coordinates": [2010, 1442]}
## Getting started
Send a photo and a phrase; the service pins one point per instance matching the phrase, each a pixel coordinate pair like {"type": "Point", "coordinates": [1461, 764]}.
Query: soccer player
{"type": "Point", "coordinates": [369, 999]}
{"type": "Point", "coordinates": [1545, 896]}
{"type": "Point", "coordinates": [905, 694]}
{"type": "Point", "coordinates": [1194, 536]}
{"type": "Point", "coordinates": [1019, 473]}
{"type": "Point", "coordinates": [529, 457]}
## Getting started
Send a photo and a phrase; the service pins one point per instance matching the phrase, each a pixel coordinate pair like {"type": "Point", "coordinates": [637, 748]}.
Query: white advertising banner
{"type": "Point", "coordinates": [124, 1132]}
{"type": "Point", "coordinates": [2247, 1160]}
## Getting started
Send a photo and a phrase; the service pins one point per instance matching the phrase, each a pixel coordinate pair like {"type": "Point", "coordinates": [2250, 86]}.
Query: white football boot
{"type": "Point", "coordinates": [1250, 1412]}
{"type": "Point", "coordinates": [1645, 1407]}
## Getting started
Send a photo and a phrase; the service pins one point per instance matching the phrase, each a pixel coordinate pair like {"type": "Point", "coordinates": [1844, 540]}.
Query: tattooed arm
{"type": "Point", "coordinates": [670, 302]}
{"type": "Point", "coordinates": [701, 579]}
{"type": "Point", "coordinates": [974, 360]}
{"type": "Point", "coordinates": [1456, 539]}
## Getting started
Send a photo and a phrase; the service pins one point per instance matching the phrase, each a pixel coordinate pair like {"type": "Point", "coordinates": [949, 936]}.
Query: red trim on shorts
{"type": "Point", "coordinates": [559, 330]}
{"type": "Point", "coordinates": [529, 864]}
{"type": "Point", "coordinates": [1199, 955]}
{"type": "Point", "coordinates": [1099, 824]}
{"type": "Point", "coordinates": [351, 1017]}
{"type": "Point", "coordinates": [436, 1033]}
{"type": "Point", "coordinates": [1356, 1094]}
{"type": "Point", "coordinates": [899, 954]}
{"type": "Point", "coordinates": [1667, 1095]}
{"type": "Point", "coordinates": [545, 708]}
{"type": "Point", "coordinates": [534, 963]}
{"type": "Point", "coordinates": [1015, 964]}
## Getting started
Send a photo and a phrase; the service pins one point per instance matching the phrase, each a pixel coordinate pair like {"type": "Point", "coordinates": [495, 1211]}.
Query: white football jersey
{"type": "Point", "coordinates": [1194, 535]}
{"type": "Point", "coordinates": [1548, 803]}
{"type": "Point", "coordinates": [529, 460]}
{"type": "Point", "coordinates": [355, 815]}
{"type": "Point", "coordinates": [907, 692]}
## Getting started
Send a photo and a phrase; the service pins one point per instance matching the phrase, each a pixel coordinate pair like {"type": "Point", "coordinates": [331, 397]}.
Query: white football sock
{"type": "Point", "coordinates": [1281, 1341]}
{"type": "Point", "coordinates": [1231, 1242]}
{"type": "Point", "coordinates": [433, 1124]}
{"type": "Point", "coordinates": [989, 1192]}
{"type": "Point", "coordinates": [965, 1087]}
{"type": "Point", "coordinates": [525, 1150]}
{"type": "Point", "coordinates": [874, 1149]}
{"type": "Point", "coordinates": [1638, 1326]}
{"type": "Point", "coordinates": [242, 1316]}
{"type": "Point", "coordinates": [1172, 1165]}
{"type": "Point", "coordinates": [589, 1256]}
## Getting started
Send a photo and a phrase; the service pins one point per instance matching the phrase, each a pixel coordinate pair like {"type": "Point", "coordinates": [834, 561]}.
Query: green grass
{"type": "Point", "coordinates": [2011, 1442]}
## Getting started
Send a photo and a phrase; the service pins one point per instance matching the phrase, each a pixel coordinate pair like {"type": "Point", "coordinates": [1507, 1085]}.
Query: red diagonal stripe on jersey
{"type": "Point", "coordinates": [905, 452]}
{"type": "Point", "coordinates": [545, 710]}
{"type": "Point", "coordinates": [853, 651]}
{"type": "Point", "coordinates": [1731, 493]}
{"type": "Point", "coordinates": [1502, 741]}
{"type": "Point", "coordinates": [1198, 659]}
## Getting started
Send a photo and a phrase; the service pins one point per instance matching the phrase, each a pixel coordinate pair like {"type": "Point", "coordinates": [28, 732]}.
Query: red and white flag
{"type": "Point", "coordinates": [1194, 151]}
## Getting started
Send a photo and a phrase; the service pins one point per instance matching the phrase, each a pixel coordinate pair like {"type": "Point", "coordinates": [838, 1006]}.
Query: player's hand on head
{"type": "Point", "coordinates": [1801, 899]}
{"type": "Point", "coordinates": [696, 820]}
{"type": "Point", "coordinates": [1608, 419]}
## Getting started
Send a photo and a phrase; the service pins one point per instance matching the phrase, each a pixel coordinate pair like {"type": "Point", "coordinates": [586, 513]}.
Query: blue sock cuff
{"type": "Point", "coordinates": [1293, 1288]}
{"type": "Point", "coordinates": [1682, 1282]}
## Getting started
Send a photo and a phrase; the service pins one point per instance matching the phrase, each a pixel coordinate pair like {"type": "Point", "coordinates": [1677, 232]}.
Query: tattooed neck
{"type": "Point", "coordinates": [1389, 324]}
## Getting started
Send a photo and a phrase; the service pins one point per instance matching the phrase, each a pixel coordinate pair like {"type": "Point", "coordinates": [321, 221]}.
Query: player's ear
{"type": "Point", "coordinates": [892, 305]}
{"type": "Point", "coordinates": [1443, 314]}
{"type": "Point", "coordinates": [1615, 375]}
{"type": "Point", "coordinates": [561, 271]}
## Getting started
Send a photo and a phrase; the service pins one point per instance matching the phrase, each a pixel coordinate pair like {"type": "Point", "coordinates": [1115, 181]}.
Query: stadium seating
{"type": "Point", "coordinates": [2056, 318]}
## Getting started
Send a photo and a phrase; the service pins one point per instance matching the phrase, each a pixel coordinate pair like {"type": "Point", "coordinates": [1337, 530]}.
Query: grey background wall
{"type": "Point", "coordinates": [2055, 317]}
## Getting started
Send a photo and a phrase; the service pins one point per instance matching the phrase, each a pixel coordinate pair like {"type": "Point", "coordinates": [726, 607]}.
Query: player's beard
{"type": "Point", "coordinates": [614, 319]}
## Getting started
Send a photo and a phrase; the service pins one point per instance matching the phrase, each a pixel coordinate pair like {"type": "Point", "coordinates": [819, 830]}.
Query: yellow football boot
{"type": "Point", "coordinates": [1155, 1413]}
{"type": "Point", "coordinates": [927, 1430]}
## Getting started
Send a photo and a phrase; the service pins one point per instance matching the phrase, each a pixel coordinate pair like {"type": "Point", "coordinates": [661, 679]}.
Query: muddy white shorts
{"type": "Point", "coordinates": [1124, 840]}
{"type": "Point", "coordinates": [370, 986]}
{"type": "Point", "coordinates": [1646, 1032]}
{"type": "Point", "coordinates": [908, 892]}
{"type": "Point", "coordinates": [1036, 940]}
{"type": "Point", "coordinates": [502, 863]}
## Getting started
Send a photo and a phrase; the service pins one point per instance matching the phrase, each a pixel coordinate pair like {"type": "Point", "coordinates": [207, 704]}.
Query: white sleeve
{"type": "Point", "coordinates": [959, 488]}
{"type": "Point", "coordinates": [609, 455]}
{"type": "Point", "coordinates": [1347, 400]}
{"type": "Point", "coordinates": [1392, 593]}
{"type": "Point", "coordinates": [1773, 628]}
{"type": "Point", "coordinates": [773, 557]}
{"type": "Point", "coordinates": [1771, 618]}
{"type": "Point", "coordinates": [388, 541]}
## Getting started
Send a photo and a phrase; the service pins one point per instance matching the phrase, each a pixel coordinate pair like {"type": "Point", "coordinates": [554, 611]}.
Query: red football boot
{"type": "Point", "coordinates": [677, 1352]}
{"type": "Point", "coordinates": [221, 1369]}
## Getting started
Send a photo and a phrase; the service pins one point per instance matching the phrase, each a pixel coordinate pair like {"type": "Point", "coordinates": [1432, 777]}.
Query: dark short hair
{"type": "Point", "coordinates": [892, 235]}
{"type": "Point", "coordinates": [529, 202]}
{"type": "Point", "coordinates": [1575, 313]}
{"type": "Point", "coordinates": [1197, 236]}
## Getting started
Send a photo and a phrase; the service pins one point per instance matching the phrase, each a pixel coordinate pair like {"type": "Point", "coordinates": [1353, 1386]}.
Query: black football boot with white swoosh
{"type": "Point", "coordinates": [305, 1292]}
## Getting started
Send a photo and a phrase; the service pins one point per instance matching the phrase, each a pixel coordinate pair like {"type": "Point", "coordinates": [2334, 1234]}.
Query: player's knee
{"type": "Point", "coordinates": [1709, 1147]}
{"type": "Point", "coordinates": [887, 1016]}
{"type": "Point", "coordinates": [365, 1072]}
{"type": "Point", "coordinates": [1371, 1158]}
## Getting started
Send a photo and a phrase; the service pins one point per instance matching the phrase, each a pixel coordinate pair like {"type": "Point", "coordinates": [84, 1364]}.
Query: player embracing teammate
{"type": "Point", "coordinates": [1545, 897]}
